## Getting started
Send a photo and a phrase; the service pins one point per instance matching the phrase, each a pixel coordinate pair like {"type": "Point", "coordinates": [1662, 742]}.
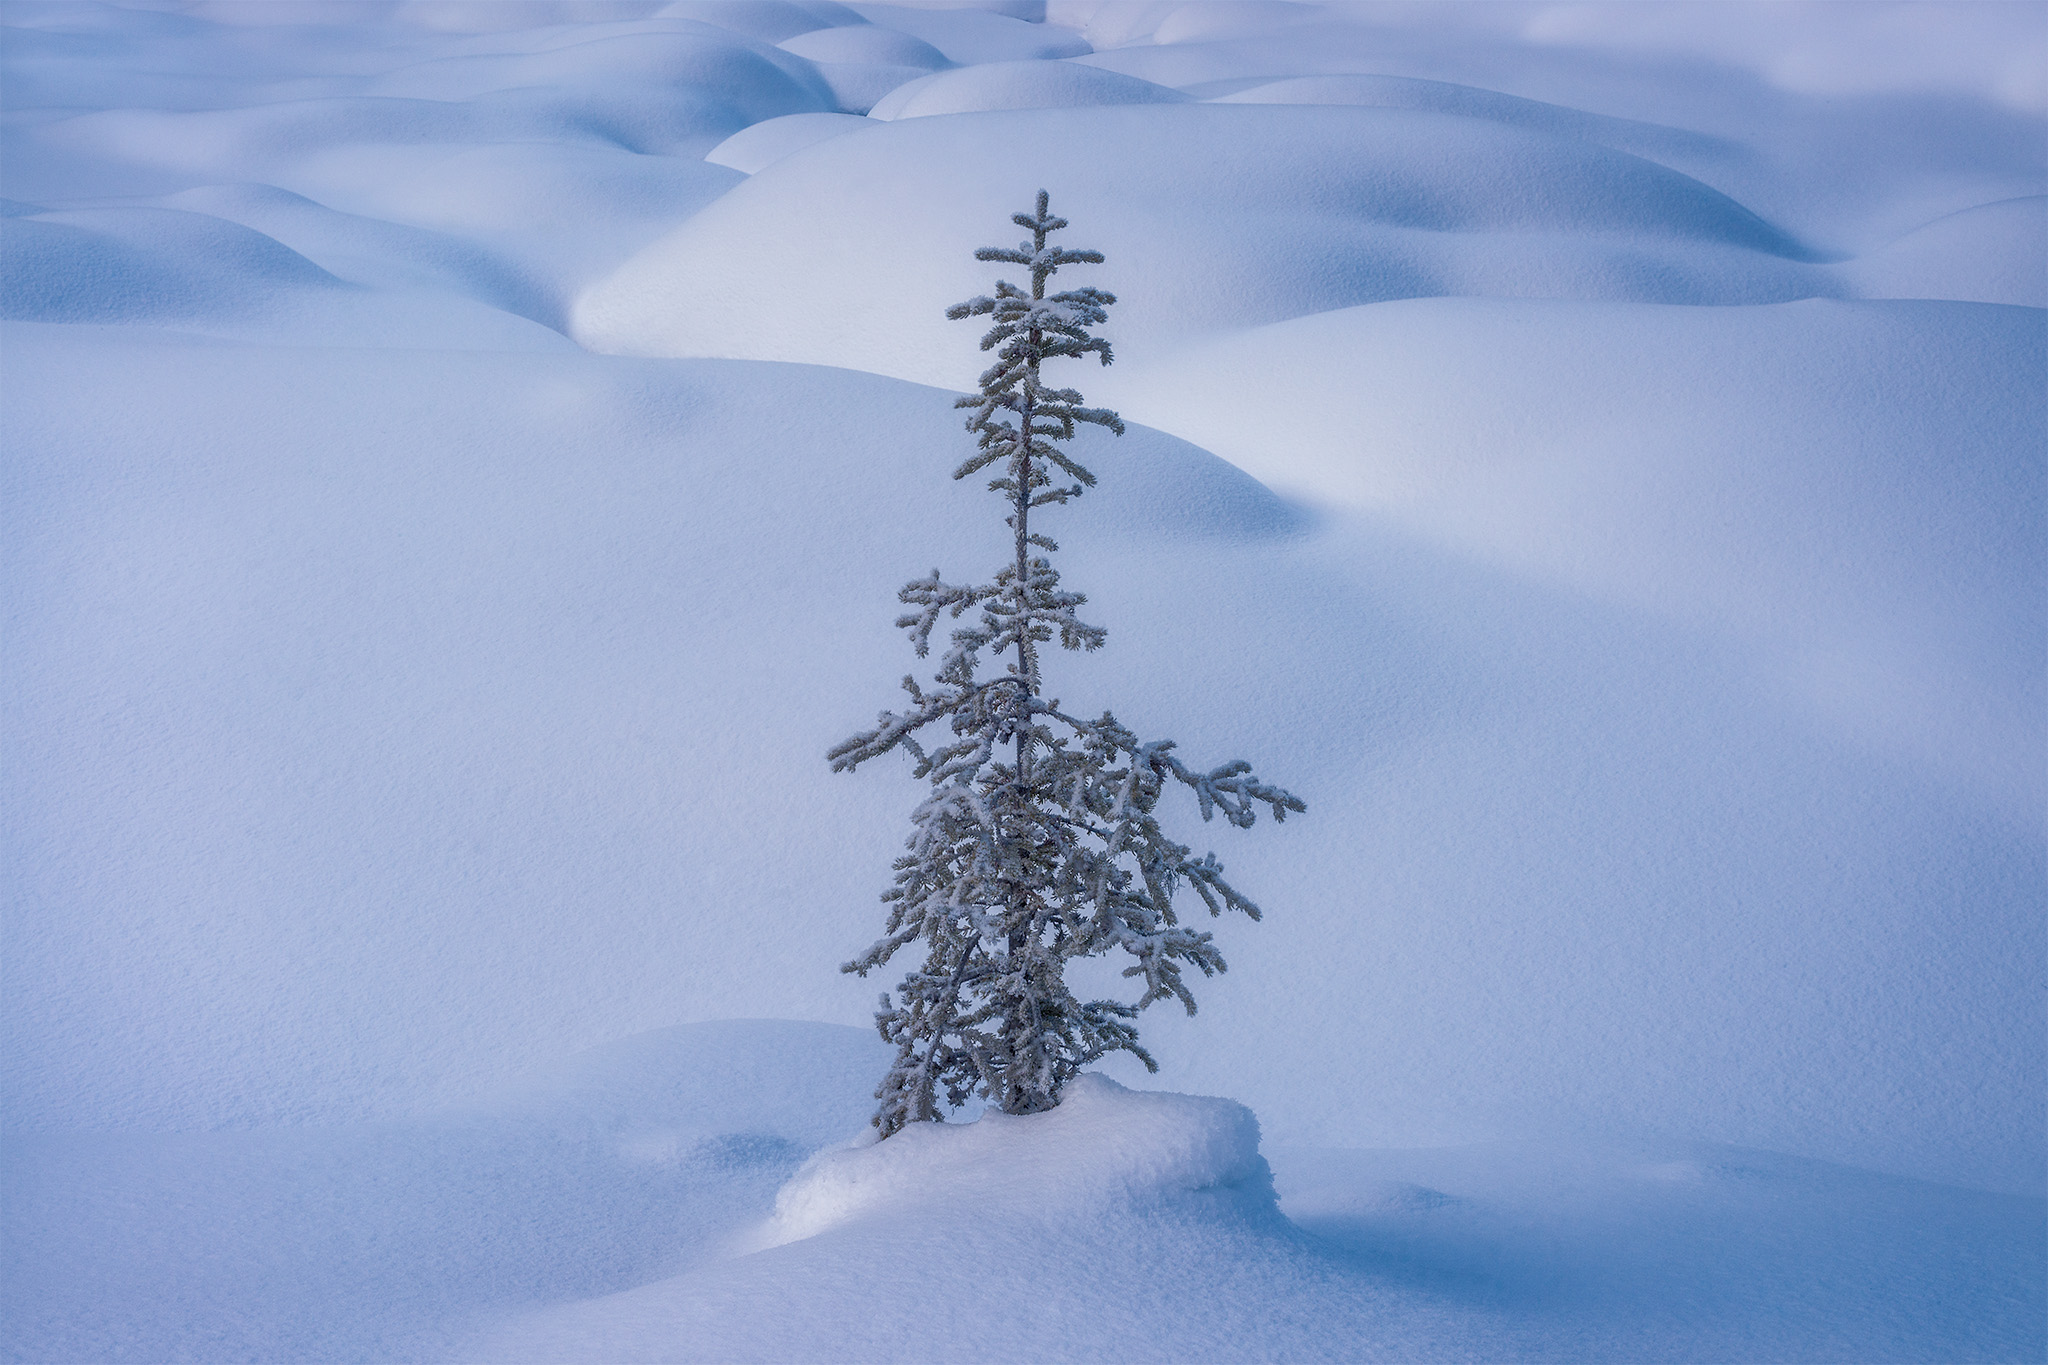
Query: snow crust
{"type": "Point", "coordinates": [458, 462]}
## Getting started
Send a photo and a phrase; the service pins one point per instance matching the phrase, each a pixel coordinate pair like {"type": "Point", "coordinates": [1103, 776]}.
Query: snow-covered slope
{"type": "Point", "coordinates": [459, 460]}
{"type": "Point", "coordinates": [612, 655]}
{"type": "Point", "coordinates": [468, 701]}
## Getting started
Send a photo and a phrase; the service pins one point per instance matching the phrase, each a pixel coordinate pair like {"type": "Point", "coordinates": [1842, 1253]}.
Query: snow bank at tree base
{"type": "Point", "coordinates": [649, 1200]}
{"type": "Point", "coordinates": [1136, 1226]}
{"type": "Point", "coordinates": [1104, 1146]}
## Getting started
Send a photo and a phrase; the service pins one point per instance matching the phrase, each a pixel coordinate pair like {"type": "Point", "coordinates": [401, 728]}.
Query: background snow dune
{"type": "Point", "coordinates": [1215, 216]}
{"type": "Point", "coordinates": [459, 461]}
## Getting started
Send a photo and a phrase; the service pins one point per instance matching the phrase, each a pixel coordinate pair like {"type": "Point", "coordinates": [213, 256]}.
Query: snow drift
{"type": "Point", "coordinates": [1851, 486]}
{"type": "Point", "coordinates": [237, 593]}
{"type": "Point", "coordinates": [1136, 1226]}
{"type": "Point", "coordinates": [1103, 1148]}
{"type": "Point", "coordinates": [1017, 85]}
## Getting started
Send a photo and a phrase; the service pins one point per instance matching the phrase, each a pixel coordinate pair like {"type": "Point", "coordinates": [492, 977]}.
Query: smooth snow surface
{"type": "Point", "coordinates": [760, 144]}
{"type": "Point", "coordinates": [1855, 488]}
{"type": "Point", "coordinates": [1994, 253]}
{"type": "Point", "coordinates": [389, 1241]}
{"type": "Point", "coordinates": [1017, 85]}
{"type": "Point", "coordinates": [460, 459]}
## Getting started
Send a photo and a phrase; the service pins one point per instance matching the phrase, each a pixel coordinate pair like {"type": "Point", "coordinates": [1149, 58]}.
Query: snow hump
{"type": "Point", "coordinates": [1103, 1146]}
{"type": "Point", "coordinates": [1344, 205]}
{"type": "Point", "coordinates": [1019, 85]}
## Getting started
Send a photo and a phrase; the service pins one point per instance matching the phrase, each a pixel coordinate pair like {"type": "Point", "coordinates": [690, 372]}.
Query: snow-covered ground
{"type": "Point", "coordinates": [459, 459]}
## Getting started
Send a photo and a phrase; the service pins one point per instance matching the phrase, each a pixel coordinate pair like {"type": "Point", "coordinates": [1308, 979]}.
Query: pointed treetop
{"type": "Point", "coordinates": [1033, 253]}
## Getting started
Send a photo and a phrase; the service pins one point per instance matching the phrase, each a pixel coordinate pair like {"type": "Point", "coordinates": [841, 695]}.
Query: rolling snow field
{"type": "Point", "coordinates": [460, 458]}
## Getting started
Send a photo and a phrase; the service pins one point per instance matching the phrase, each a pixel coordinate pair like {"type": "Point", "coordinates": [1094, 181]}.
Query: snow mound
{"type": "Point", "coordinates": [138, 265]}
{"type": "Point", "coordinates": [1018, 85]}
{"type": "Point", "coordinates": [1273, 211]}
{"type": "Point", "coordinates": [1994, 253]}
{"type": "Point", "coordinates": [558, 216]}
{"type": "Point", "coordinates": [1650, 140]}
{"type": "Point", "coordinates": [748, 79]}
{"type": "Point", "coordinates": [651, 93]}
{"type": "Point", "coordinates": [240, 143]}
{"type": "Point", "coordinates": [764, 143]}
{"type": "Point", "coordinates": [768, 21]}
{"type": "Point", "coordinates": [444, 295]}
{"type": "Point", "coordinates": [1145, 1226]}
{"type": "Point", "coordinates": [1146, 1223]}
{"type": "Point", "coordinates": [865, 45]}
{"type": "Point", "coordinates": [1302, 49]}
{"type": "Point", "coordinates": [1987, 54]}
{"type": "Point", "coordinates": [985, 32]}
{"type": "Point", "coordinates": [372, 251]}
{"type": "Point", "coordinates": [1862, 512]}
{"type": "Point", "coordinates": [855, 88]}
{"type": "Point", "coordinates": [1102, 1145]}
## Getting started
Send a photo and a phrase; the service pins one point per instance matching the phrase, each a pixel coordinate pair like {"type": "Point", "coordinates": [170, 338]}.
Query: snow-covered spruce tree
{"type": "Point", "coordinates": [1038, 842]}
